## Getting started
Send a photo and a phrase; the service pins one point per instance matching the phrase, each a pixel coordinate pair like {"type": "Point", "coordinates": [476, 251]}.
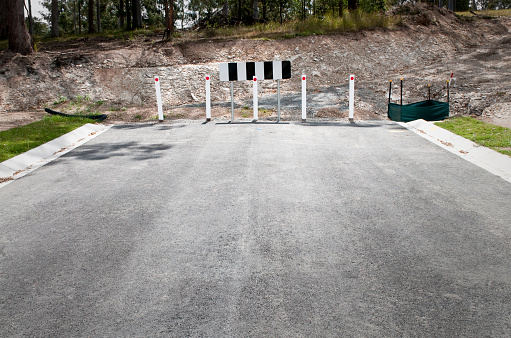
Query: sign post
{"type": "Point", "coordinates": [256, 115]}
{"type": "Point", "coordinates": [255, 71]}
{"type": "Point", "coordinates": [158, 98]}
{"type": "Point", "coordinates": [278, 100]}
{"type": "Point", "coordinates": [352, 97]}
{"type": "Point", "coordinates": [304, 98]}
{"type": "Point", "coordinates": [208, 98]}
{"type": "Point", "coordinates": [232, 101]}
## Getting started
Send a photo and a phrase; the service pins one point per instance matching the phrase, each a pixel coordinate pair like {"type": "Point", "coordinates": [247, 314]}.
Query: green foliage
{"type": "Point", "coordinates": [19, 140]}
{"type": "Point", "coordinates": [78, 105]}
{"type": "Point", "coordinates": [485, 134]}
{"type": "Point", "coordinates": [60, 100]}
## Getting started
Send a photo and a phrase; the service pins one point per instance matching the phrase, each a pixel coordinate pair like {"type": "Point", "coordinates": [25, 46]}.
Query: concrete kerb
{"type": "Point", "coordinates": [488, 159]}
{"type": "Point", "coordinates": [25, 163]}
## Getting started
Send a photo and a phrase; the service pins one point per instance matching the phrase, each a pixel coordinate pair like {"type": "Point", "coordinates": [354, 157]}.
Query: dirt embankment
{"type": "Point", "coordinates": [119, 75]}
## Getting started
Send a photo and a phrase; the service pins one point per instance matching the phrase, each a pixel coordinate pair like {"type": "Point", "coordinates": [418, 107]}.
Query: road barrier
{"type": "Point", "coordinates": [254, 71]}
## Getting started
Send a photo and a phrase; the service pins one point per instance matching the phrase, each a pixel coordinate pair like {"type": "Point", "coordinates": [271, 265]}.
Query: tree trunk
{"type": "Point", "coordinates": [30, 20]}
{"type": "Point", "coordinates": [54, 18]}
{"type": "Point", "coordinates": [137, 14]}
{"type": "Point", "coordinates": [98, 16]}
{"type": "Point", "coordinates": [90, 16]}
{"type": "Point", "coordinates": [19, 39]}
{"type": "Point", "coordinates": [225, 10]}
{"type": "Point", "coordinates": [170, 19]}
{"type": "Point", "coordinates": [239, 11]}
{"type": "Point", "coordinates": [74, 16]}
{"type": "Point", "coordinates": [3, 19]}
{"type": "Point", "coordinates": [79, 16]}
{"type": "Point", "coordinates": [341, 4]}
{"type": "Point", "coordinates": [121, 14]}
{"type": "Point", "coordinates": [128, 15]}
{"type": "Point", "coordinates": [255, 10]}
{"type": "Point", "coordinates": [281, 5]}
{"type": "Point", "coordinates": [352, 5]}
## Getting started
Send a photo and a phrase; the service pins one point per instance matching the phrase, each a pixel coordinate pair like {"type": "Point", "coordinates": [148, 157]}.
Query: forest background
{"type": "Point", "coordinates": [54, 18]}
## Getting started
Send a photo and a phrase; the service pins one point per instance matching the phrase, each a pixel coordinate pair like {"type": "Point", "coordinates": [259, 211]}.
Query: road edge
{"type": "Point", "coordinates": [488, 159]}
{"type": "Point", "coordinates": [33, 159]}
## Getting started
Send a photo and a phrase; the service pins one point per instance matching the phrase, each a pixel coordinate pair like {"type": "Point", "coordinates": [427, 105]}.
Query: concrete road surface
{"type": "Point", "coordinates": [256, 230]}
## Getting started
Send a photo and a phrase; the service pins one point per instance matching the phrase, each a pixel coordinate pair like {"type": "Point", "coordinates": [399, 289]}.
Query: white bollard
{"type": "Point", "coordinates": [255, 99]}
{"type": "Point", "coordinates": [304, 98]}
{"type": "Point", "coordinates": [158, 97]}
{"type": "Point", "coordinates": [208, 98]}
{"type": "Point", "coordinates": [352, 97]}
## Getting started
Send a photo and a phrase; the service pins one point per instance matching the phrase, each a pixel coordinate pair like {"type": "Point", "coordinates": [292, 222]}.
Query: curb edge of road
{"type": "Point", "coordinates": [33, 159]}
{"type": "Point", "coordinates": [488, 159]}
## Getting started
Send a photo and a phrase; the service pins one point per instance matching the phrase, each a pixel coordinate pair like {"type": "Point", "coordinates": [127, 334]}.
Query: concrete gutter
{"type": "Point", "coordinates": [25, 163]}
{"type": "Point", "coordinates": [488, 159]}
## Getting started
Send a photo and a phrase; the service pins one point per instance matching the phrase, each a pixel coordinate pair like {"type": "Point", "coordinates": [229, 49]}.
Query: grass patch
{"type": "Point", "coordinates": [19, 140]}
{"type": "Point", "coordinates": [485, 134]}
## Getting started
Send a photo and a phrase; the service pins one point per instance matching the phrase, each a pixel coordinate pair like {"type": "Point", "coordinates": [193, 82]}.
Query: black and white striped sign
{"type": "Point", "coordinates": [242, 71]}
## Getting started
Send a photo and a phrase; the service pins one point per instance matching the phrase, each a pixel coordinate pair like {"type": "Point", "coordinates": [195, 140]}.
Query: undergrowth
{"type": "Point", "coordinates": [349, 22]}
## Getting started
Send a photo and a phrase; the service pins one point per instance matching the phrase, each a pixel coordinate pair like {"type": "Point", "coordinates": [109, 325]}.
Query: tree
{"type": "Point", "coordinates": [98, 15]}
{"type": "Point", "coordinates": [3, 19]}
{"type": "Point", "coordinates": [122, 14]}
{"type": "Point", "coordinates": [30, 20]}
{"type": "Point", "coordinates": [79, 16]}
{"type": "Point", "coordinates": [352, 5]}
{"type": "Point", "coordinates": [90, 16]}
{"type": "Point", "coordinates": [169, 19]}
{"type": "Point", "coordinates": [137, 14]}
{"type": "Point", "coordinates": [19, 39]}
{"type": "Point", "coordinates": [54, 18]}
{"type": "Point", "coordinates": [128, 14]}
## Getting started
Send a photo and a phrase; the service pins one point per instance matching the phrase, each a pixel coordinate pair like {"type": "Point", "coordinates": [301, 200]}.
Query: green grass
{"type": "Point", "coordinates": [485, 134]}
{"type": "Point", "coordinates": [21, 139]}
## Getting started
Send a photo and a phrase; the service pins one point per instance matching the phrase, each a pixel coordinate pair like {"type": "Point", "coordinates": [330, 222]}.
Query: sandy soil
{"type": "Point", "coordinates": [117, 77]}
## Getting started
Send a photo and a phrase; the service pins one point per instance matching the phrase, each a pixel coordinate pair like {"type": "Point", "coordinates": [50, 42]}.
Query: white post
{"type": "Point", "coordinates": [352, 97]}
{"type": "Point", "coordinates": [208, 99]}
{"type": "Point", "coordinates": [304, 98]}
{"type": "Point", "coordinates": [278, 100]}
{"type": "Point", "coordinates": [158, 98]}
{"type": "Point", "coordinates": [255, 99]}
{"type": "Point", "coordinates": [232, 101]}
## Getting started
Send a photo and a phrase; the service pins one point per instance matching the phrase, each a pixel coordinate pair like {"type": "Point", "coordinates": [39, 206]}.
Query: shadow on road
{"type": "Point", "coordinates": [134, 150]}
{"type": "Point", "coordinates": [342, 124]}
{"type": "Point", "coordinates": [157, 126]}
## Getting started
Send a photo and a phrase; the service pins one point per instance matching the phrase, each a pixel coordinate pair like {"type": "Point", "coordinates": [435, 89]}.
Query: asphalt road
{"type": "Point", "coordinates": [336, 230]}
